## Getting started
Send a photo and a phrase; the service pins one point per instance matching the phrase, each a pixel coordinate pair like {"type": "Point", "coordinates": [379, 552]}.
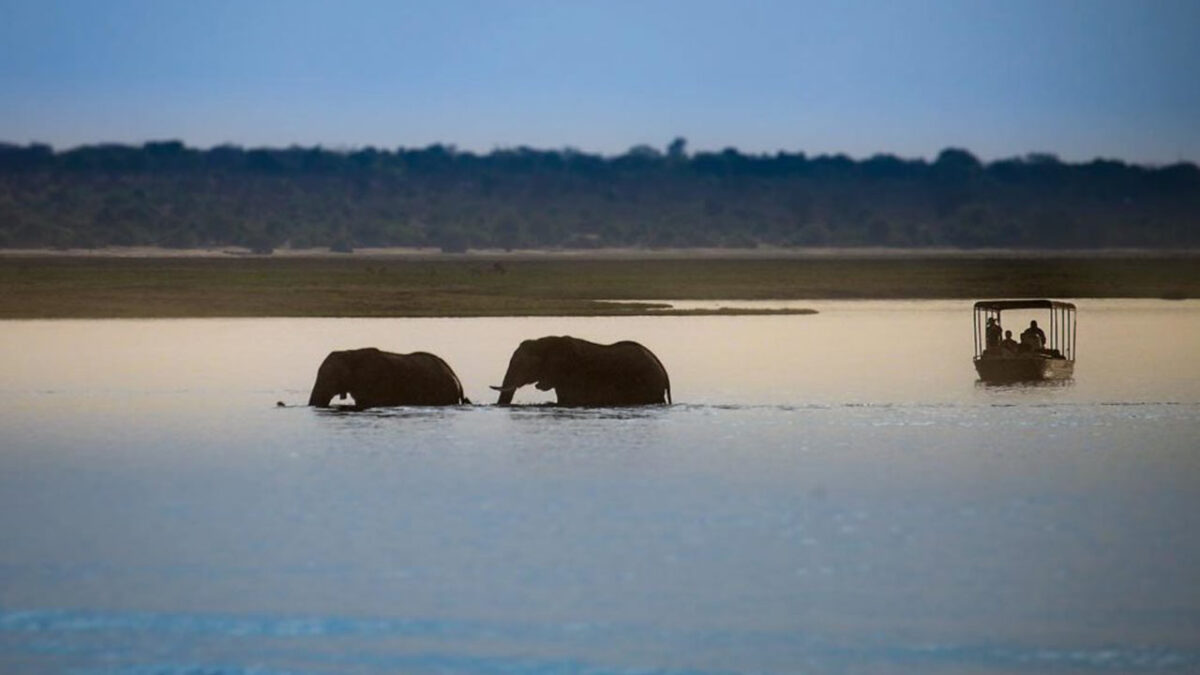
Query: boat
{"type": "Point", "coordinates": [1048, 356]}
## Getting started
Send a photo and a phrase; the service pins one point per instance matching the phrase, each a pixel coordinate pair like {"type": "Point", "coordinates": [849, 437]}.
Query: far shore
{"type": "Point", "coordinates": [167, 283]}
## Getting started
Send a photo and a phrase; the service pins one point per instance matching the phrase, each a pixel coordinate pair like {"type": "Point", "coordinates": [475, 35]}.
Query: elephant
{"type": "Point", "coordinates": [584, 373]}
{"type": "Point", "coordinates": [378, 378]}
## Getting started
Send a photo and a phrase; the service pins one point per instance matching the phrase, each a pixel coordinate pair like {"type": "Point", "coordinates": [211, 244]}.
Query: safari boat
{"type": "Point", "coordinates": [1047, 354]}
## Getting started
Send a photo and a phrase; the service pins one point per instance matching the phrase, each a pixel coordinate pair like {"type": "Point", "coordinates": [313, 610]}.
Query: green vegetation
{"type": "Point", "coordinates": [84, 287]}
{"type": "Point", "coordinates": [166, 194]}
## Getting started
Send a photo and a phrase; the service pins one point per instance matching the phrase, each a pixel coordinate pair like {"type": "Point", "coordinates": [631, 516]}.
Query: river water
{"type": "Point", "coordinates": [828, 493]}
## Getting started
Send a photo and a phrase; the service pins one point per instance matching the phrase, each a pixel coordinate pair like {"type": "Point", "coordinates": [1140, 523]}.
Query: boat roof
{"type": "Point", "coordinates": [999, 305]}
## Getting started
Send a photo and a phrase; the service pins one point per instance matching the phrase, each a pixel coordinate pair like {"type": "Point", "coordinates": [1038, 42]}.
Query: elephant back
{"type": "Point", "coordinates": [441, 376]}
{"type": "Point", "coordinates": [657, 364]}
{"type": "Point", "coordinates": [644, 367]}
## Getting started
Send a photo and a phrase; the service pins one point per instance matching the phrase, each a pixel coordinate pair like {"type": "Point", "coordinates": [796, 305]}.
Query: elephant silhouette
{"type": "Point", "coordinates": [584, 373]}
{"type": "Point", "coordinates": [378, 378]}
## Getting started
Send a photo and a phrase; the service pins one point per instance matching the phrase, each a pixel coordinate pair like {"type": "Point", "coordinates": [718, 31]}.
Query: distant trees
{"type": "Point", "coordinates": [166, 194]}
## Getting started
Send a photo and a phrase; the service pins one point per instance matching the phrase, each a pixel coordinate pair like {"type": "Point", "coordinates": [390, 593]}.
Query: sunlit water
{"type": "Point", "coordinates": [829, 493]}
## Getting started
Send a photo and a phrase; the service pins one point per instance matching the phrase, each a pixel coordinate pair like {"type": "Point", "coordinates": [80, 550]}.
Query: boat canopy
{"type": "Point", "coordinates": [1000, 305]}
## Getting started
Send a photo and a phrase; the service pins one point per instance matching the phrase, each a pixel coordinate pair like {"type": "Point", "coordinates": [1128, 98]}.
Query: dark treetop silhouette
{"type": "Point", "coordinates": [166, 194]}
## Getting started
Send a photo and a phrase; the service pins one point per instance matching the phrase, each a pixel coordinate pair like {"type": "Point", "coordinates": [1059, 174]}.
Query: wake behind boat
{"type": "Point", "coordinates": [1039, 354]}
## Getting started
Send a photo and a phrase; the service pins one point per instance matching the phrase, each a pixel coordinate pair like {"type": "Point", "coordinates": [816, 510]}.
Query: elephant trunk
{"type": "Point", "coordinates": [329, 383]}
{"type": "Point", "coordinates": [321, 395]}
{"type": "Point", "coordinates": [506, 391]}
{"type": "Point", "coordinates": [523, 369]}
{"type": "Point", "coordinates": [510, 386]}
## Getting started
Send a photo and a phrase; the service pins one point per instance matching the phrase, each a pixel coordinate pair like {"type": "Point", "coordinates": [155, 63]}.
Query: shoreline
{"type": "Point", "coordinates": [120, 284]}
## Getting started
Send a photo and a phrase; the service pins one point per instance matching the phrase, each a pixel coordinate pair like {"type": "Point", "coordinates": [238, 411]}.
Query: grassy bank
{"type": "Point", "coordinates": [63, 287]}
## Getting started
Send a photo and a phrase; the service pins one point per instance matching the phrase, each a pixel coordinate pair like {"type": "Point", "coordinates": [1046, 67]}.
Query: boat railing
{"type": "Point", "coordinates": [1060, 331]}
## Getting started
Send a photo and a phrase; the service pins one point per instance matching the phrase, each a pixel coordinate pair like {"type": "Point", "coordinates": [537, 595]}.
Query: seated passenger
{"type": "Point", "coordinates": [1033, 338]}
{"type": "Point", "coordinates": [1009, 346]}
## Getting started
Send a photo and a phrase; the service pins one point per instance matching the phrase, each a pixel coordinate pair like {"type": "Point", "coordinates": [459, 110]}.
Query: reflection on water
{"type": "Point", "coordinates": [1025, 387]}
{"type": "Point", "coordinates": [831, 492]}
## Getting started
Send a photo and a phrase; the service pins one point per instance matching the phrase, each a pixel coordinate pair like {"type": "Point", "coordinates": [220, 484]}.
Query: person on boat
{"type": "Point", "coordinates": [1009, 345]}
{"type": "Point", "coordinates": [1033, 337]}
{"type": "Point", "coordinates": [992, 333]}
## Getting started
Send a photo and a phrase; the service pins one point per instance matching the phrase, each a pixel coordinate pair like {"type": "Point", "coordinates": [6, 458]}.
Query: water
{"type": "Point", "coordinates": [830, 493]}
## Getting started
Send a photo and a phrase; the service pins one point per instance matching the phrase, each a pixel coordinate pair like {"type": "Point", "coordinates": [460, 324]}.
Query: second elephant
{"type": "Point", "coordinates": [584, 373]}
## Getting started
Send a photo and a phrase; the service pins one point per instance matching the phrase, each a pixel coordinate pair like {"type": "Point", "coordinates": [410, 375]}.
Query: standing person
{"type": "Point", "coordinates": [992, 333]}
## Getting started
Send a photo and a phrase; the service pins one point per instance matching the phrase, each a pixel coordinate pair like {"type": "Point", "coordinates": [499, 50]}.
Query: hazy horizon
{"type": "Point", "coordinates": [608, 156]}
{"type": "Point", "coordinates": [1076, 79]}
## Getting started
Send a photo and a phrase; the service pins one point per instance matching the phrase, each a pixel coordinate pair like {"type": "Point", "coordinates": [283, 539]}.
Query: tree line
{"type": "Point", "coordinates": [170, 195]}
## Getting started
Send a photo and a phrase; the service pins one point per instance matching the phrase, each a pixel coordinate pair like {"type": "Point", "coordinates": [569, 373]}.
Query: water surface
{"type": "Point", "coordinates": [830, 493]}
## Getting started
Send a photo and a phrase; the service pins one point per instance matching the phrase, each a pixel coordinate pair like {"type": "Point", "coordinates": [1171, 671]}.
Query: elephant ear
{"type": "Point", "coordinates": [540, 360]}
{"type": "Point", "coordinates": [571, 356]}
{"type": "Point", "coordinates": [572, 348]}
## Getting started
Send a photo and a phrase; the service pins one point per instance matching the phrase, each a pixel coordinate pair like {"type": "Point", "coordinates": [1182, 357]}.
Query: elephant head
{"type": "Point", "coordinates": [334, 378]}
{"type": "Point", "coordinates": [542, 362]}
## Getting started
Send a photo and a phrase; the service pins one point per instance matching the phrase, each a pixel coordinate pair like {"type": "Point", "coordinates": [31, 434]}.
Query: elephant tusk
{"type": "Point", "coordinates": [503, 388]}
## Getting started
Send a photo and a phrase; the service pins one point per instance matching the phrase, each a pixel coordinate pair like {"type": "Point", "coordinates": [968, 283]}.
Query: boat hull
{"type": "Point", "coordinates": [1004, 369]}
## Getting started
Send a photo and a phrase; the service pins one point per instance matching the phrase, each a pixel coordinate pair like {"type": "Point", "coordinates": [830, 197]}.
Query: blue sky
{"type": "Point", "coordinates": [1078, 78]}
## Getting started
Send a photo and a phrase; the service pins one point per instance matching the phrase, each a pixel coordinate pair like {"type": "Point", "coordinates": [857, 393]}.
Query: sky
{"type": "Point", "coordinates": [1081, 79]}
